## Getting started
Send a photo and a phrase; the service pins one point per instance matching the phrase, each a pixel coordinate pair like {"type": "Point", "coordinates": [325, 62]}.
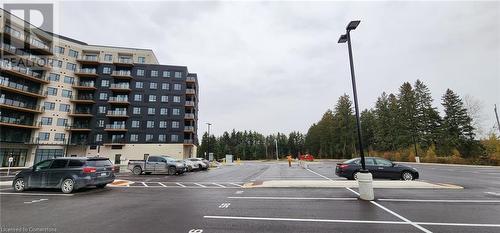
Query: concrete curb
{"type": "Point", "coordinates": [348, 184]}
{"type": "Point", "coordinates": [453, 165]}
{"type": "Point", "coordinates": [9, 183]}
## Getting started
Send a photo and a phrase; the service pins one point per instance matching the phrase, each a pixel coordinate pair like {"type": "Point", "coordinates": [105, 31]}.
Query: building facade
{"type": "Point", "coordinates": [63, 97]}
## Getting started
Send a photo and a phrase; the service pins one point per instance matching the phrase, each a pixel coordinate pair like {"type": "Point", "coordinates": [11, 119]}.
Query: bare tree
{"type": "Point", "coordinates": [475, 111]}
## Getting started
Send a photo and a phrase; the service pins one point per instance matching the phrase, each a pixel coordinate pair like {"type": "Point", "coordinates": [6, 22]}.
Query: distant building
{"type": "Point", "coordinates": [62, 97]}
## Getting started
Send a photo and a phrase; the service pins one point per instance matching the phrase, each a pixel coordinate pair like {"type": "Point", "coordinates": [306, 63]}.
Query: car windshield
{"type": "Point", "coordinates": [352, 160]}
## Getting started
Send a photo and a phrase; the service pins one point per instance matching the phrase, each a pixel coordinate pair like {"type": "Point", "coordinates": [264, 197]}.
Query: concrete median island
{"type": "Point", "coordinates": [347, 184]}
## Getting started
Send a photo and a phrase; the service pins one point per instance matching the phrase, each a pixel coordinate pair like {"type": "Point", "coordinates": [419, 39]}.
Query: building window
{"type": "Point", "coordinates": [73, 53]}
{"type": "Point", "coordinates": [162, 138]}
{"type": "Point", "coordinates": [136, 124]}
{"type": "Point", "coordinates": [70, 66]}
{"type": "Point", "coordinates": [176, 112]}
{"type": "Point", "coordinates": [151, 111]}
{"type": "Point", "coordinates": [165, 86]}
{"type": "Point", "coordinates": [150, 124]}
{"type": "Point", "coordinates": [59, 49]}
{"type": "Point", "coordinates": [137, 110]}
{"type": "Point", "coordinates": [152, 98]}
{"type": "Point", "coordinates": [175, 124]}
{"type": "Point", "coordinates": [98, 137]}
{"type": "Point", "coordinates": [134, 137]}
{"type": "Point", "coordinates": [103, 96]}
{"type": "Point", "coordinates": [54, 63]}
{"type": "Point", "coordinates": [139, 84]}
{"type": "Point", "coordinates": [102, 109]}
{"type": "Point", "coordinates": [166, 74]}
{"type": "Point", "coordinates": [141, 60]}
{"type": "Point", "coordinates": [177, 99]}
{"type": "Point", "coordinates": [163, 111]}
{"type": "Point", "coordinates": [106, 70]}
{"type": "Point", "coordinates": [62, 122]}
{"type": "Point", "coordinates": [178, 75]}
{"type": "Point", "coordinates": [108, 57]}
{"type": "Point", "coordinates": [154, 73]}
{"type": "Point", "coordinates": [69, 80]}
{"type": "Point", "coordinates": [59, 137]}
{"type": "Point", "coordinates": [66, 93]}
{"type": "Point", "coordinates": [163, 124]}
{"type": "Point", "coordinates": [149, 137]}
{"type": "Point", "coordinates": [100, 123]}
{"type": "Point", "coordinates": [46, 121]}
{"type": "Point", "coordinates": [140, 72]}
{"type": "Point", "coordinates": [104, 83]}
{"type": "Point", "coordinates": [177, 87]}
{"type": "Point", "coordinates": [53, 77]}
{"type": "Point", "coordinates": [174, 138]}
{"type": "Point", "coordinates": [164, 98]}
{"type": "Point", "coordinates": [64, 107]}
{"type": "Point", "coordinates": [43, 136]}
{"type": "Point", "coordinates": [49, 105]}
{"type": "Point", "coordinates": [51, 91]}
{"type": "Point", "coordinates": [153, 86]}
{"type": "Point", "coordinates": [137, 97]}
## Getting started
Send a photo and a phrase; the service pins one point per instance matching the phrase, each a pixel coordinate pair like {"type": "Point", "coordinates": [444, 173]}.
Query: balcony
{"type": "Point", "coordinates": [85, 86]}
{"type": "Point", "coordinates": [86, 72]}
{"type": "Point", "coordinates": [15, 34]}
{"type": "Point", "coordinates": [124, 61]}
{"type": "Point", "coordinates": [116, 127]}
{"type": "Point", "coordinates": [14, 122]}
{"type": "Point", "coordinates": [189, 116]}
{"type": "Point", "coordinates": [40, 46]}
{"type": "Point", "coordinates": [20, 106]}
{"type": "Point", "coordinates": [189, 141]}
{"type": "Point", "coordinates": [190, 91]}
{"type": "Point", "coordinates": [88, 60]}
{"type": "Point", "coordinates": [118, 100]}
{"type": "Point", "coordinates": [190, 79]}
{"type": "Point", "coordinates": [120, 87]}
{"type": "Point", "coordinates": [81, 113]}
{"type": "Point", "coordinates": [22, 72]}
{"type": "Point", "coordinates": [28, 58]}
{"type": "Point", "coordinates": [188, 128]}
{"type": "Point", "coordinates": [79, 127]}
{"type": "Point", "coordinates": [122, 74]}
{"type": "Point", "coordinates": [115, 141]}
{"type": "Point", "coordinates": [20, 89]}
{"type": "Point", "coordinates": [189, 103]}
{"type": "Point", "coordinates": [117, 113]}
{"type": "Point", "coordinates": [83, 99]}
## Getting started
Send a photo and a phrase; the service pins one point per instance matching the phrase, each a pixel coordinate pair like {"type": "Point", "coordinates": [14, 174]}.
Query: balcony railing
{"type": "Point", "coordinates": [120, 86]}
{"type": "Point", "coordinates": [88, 58]}
{"type": "Point", "coordinates": [78, 126]}
{"type": "Point", "coordinates": [188, 141]}
{"type": "Point", "coordinates": [189, 116]}
{"type": "Point", "coordinates": [118, 99]}
{"type": "Point", "coordinates": [23, 70]}
{"type": "Point", "coordinates": [117, 113]}
{"type": "Point", "coordinates": [190, 91]}
{"type": "Point", "coordinates": [122, 73]}
{"type": "Point", "coordinates": [83, 97]}
{"type": "Point", "coordinates": [86, 71]}
{"type": "Point", "coordinates": [81, 112]}
{"type": "Point", "coordinates": [13, 50]}
{"type": "Point", "coordinates": [189, 103]}
{"type": "Point", "coordinates": [21, 122]}
{"type": "Point", "coordinates": [191, 79]}
{"type": "Point", "coordinates": [86, 84]}
{"type": "Point", "coordinates": [124, 60]}
{"type": "Point", "coordinates": [15, 33]}
{"type": "Point", "coordinates": [39, 44]}
{"type": "Point", "coordinates": [115, 141]}
{"type": "Point", "coordinates": [188, 128]}
{"type": "Point", "coordinates": [116, 126]}
{"type": "Point", "coordinates": [20, 87]}
{"type": "Point", "coordinates": [19, 104]}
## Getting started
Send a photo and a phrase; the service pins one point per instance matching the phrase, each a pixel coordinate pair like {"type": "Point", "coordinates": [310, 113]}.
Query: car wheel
{"type": "Point", "coordinates": [200, 167]}
{"type": "Point", "coordinates": [355, 175]}
{"type": "Point", "coordinates": [19, 185]}
{"type": "Point", "coordinates": [172, 171]}
{"type": "Point", "coordinates": [68, 185]}
{"type": "Point", "coordinates": [406, 175]}
{"type": "Point", "coordinates": [137, 170]}
{"type": "Point", "coordinates": [101, 186]}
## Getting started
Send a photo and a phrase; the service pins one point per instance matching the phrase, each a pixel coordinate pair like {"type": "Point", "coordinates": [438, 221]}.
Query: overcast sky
{"type": "Point", "coordinates": [277, 66]}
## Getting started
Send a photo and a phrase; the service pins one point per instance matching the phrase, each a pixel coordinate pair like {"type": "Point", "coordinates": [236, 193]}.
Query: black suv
{"type": "Point", "coordinates": [67, 173]}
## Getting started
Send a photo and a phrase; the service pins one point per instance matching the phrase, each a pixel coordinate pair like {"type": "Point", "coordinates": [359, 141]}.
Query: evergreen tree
{"type": "Point", "coordinates": [368, 123]}
{"type": "Point", "coordinates": [407, 115]}
{"type": "Point", "coordinates": [383, 138]}
{"type": "Point", "coordinates": [427, 116]}
{"type": "Point", "coordinates": [344, 128]}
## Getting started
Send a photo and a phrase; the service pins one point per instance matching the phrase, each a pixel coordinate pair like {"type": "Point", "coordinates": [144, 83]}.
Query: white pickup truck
{"type": "Point", "coordinates": [157, 164]}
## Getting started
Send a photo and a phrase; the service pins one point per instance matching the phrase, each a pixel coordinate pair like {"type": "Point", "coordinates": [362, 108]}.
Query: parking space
{"type": "Point", "coordinates": [184, 185]}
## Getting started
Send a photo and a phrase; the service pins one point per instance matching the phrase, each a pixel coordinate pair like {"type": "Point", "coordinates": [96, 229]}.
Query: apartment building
{"type": "Point", "coordinates": [63, 97]}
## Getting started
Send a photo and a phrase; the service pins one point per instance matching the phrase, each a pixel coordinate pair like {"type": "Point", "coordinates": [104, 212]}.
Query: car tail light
{"type": "Point", "coordinates": [342, 166]}
{"type": "Point", "coordinates": [89, 170]}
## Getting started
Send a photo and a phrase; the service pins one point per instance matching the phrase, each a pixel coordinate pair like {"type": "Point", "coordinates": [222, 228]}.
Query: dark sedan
{"type": "Point", "coordinates": [379, 167]}
{"type": "Point", "coordinates": [68, 174]}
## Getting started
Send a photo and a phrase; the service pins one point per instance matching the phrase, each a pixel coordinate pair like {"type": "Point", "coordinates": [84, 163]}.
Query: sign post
{"type": "Point", "coordinates": [11, 159]}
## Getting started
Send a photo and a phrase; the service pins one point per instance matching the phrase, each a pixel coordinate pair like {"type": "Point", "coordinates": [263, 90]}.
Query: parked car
{"type": "Point", "coordinates": [200, 163]}
{"type": "Point", "coordinates": [157, 164]}
{"type": "Point", "coordinates": [379, 167]}
{"type": "Point", "coordinates": [66, 173]}
{"type": "Point", "coordinates": [190, 165]}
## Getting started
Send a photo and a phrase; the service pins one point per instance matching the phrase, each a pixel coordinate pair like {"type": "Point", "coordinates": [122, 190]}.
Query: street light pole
{"type": "Point", "coordinates": [365, 178]}
{"type": "Point", "coordinates": [276, 141]}
{"type": "Point", "coordinates": [208, 144]}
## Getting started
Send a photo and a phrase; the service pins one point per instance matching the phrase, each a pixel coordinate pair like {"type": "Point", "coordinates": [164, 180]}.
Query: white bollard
{"type": "Point", "coordinates": [365, 184]}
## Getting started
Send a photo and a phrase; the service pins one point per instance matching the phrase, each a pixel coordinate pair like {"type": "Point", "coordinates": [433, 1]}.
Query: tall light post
{"type": "Point", "coordinates": [365, 178]}
{"type": "Point", "coordinates": [208, 144]}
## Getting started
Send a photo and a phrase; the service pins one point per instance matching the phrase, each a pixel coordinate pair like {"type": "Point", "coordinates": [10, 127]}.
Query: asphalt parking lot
{"type": "Point", "coordinates": [217, 201]}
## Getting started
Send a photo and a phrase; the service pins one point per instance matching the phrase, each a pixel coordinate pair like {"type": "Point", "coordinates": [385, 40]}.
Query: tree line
{"type": "Point", "coordinates": [400, 126]}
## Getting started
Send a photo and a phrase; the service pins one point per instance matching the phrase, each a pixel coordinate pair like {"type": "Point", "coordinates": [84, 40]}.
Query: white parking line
{"type": "Point", "coordinates": [319, 174]}
{"type": "Point", "coordinates": [145, 185]}
{"type": "Point", "coordinates": [351, 221]}
{"type": "Point", "coordinates": [203, 186]}
{"type": "Point", "coordinates": [299, 198]}
{"type": "Point", "coordinates": [236, 184]}
{"type": "Point", "coordinates": [180, 185]}
{"type": "Point", "coordinates": [222, 186]}
{"type": "Point", "coordinates": [442, 200]}
{"type": "Point", "coordinates": [162, 184]}
{"type": "Point", "coordinates": [35, 201]}
{"type": "Point", "coordinates": [37, 194]}
{"type": "Point", "coordinates": [239, 192]}
{"type": "Point", "coordinates": [492, 193]}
